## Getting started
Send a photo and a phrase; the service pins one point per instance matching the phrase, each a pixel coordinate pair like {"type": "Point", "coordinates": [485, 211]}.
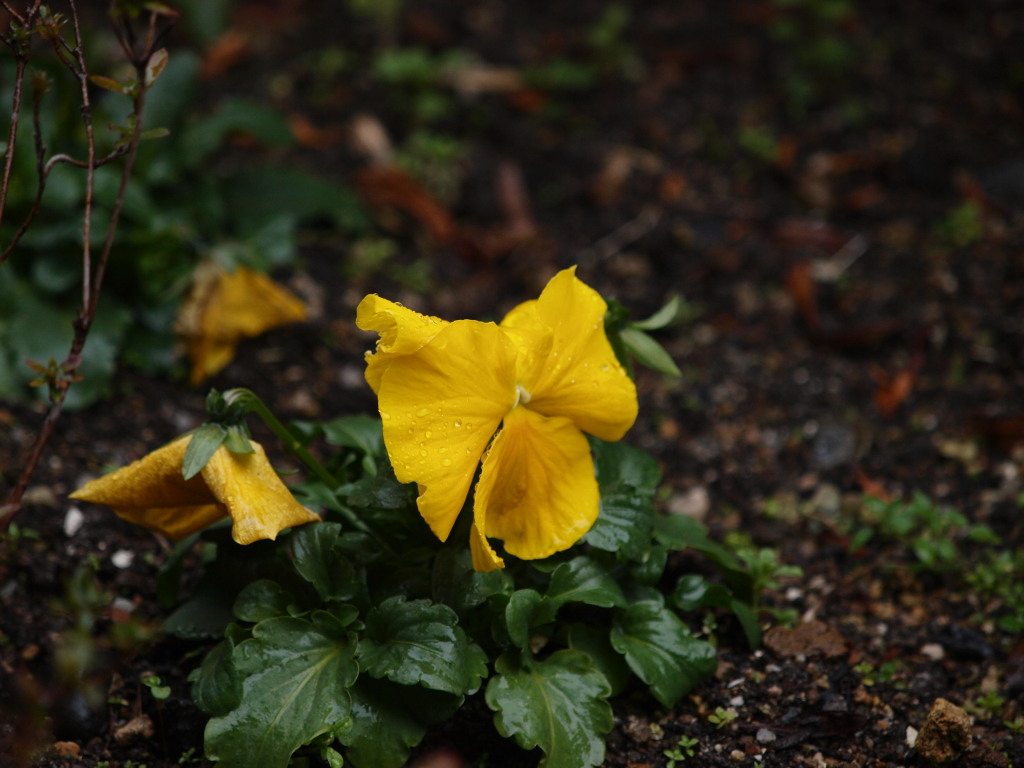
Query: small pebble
{"type": "Point", "coordinates": [73, 521]}
{"type": "Point", "coordinates": [933, 651]}
{"type": "Point", "coordinates": [122, 558]}
{"type": "Point", "coordinates": [765, 736]}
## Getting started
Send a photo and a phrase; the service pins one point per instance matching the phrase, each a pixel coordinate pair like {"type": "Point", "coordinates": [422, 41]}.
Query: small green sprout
{"type": "Point", "coordinates": [721, 717]}
{"type": "Point", "coordinates": [684, 749]}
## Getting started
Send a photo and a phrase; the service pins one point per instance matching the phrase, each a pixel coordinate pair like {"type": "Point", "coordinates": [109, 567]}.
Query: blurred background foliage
{"type": "Point", "coordinates": [211, 189]}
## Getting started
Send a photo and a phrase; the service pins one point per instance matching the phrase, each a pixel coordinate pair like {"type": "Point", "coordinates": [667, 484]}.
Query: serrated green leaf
{"type": "Point", "coordinates": [558, 704]}
{"type": "Point", "coordinates": [262, 599]}
{"type": "Point", "coordinates": [648, 352]}
{"type": "Point", "coordinates": [204, 443]}
{"type": "Point", "coordinates": [525, 610]}
{"type": "Point", "coordinates": [420, 643]}
{"type": "Point", "coordinates": [319, 562]}
{"type": "Point", "coordinates": [387, 719]}
{"type": "Point", "coordinates": [661, 651]}
{"type": "Point", "coordinates": [296, 675]}
{"type": "Point", "coordinates": [584, 580]}
{"type": "Point", "coordinates": [216, 687]}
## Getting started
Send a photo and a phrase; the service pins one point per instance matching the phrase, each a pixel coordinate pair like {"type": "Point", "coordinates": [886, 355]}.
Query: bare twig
{"type": "Point", "coordinates": [92, 273]}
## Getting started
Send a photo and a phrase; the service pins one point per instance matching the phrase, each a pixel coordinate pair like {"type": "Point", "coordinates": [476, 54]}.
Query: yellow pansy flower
{"type": "Point", "coordinates": [517, 397]}
{"type": "Point", "coordinates": [152, 492]}
{"type": "Point", "coordinates": [225, 307]}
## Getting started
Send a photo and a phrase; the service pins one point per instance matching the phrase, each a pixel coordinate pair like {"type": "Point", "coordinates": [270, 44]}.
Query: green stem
{"type": "Point", "coordinates": [249, 401]}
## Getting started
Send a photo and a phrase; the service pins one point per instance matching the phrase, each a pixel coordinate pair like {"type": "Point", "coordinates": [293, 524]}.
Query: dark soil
{"type": "Point", "coordinates": [853, 336]}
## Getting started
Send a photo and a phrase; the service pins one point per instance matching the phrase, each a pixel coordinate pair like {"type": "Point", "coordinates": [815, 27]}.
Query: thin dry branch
{"type": "Point", "coordinates": [92, 275]}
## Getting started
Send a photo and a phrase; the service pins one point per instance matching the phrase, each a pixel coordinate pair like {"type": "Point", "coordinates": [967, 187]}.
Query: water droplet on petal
{"type": "Point", "coordinates": [606, 367]}
{"type": "Point", "coordinates": [446, 462]}
{"type": "Point", "coordinates": [458, 422]}
{"type": "Point", "coordinates": [423, 453]}
{"type": "Point", "coordinates": [422, 411]}
{"type": "Point", "coordinates": [427, 434]}
{"type": "Point", "coordinates": [385, 415]}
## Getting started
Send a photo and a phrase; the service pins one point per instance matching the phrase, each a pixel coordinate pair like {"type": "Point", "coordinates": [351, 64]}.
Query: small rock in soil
{"type": "Point", "coordinates": [945, 735]}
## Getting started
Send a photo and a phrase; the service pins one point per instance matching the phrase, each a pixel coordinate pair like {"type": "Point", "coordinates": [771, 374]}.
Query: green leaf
{"type": "Point", "coordinates": [387, 719]}
{"type": "Point", "coordinates": [558, 704]}
{"type": "Point", "coordinates": [594, 642]}
{"type": "Point", "coordinates": [628, 478]}
{"type": "Point", "coordinates": [584, 580]}
{"type": "Point", "coordinates": [234, 115]}
{"type": "Point", "coordinates": [204, 443]}
{"type": "Point", "coordinates": [648, 352]}
{"type": "Point", "coordinates": [525, 610]}
{"type": "Point", "coordinates": [319, 562]}
{"type": "Point", "coordinates": [262, 599]}
{"type": "Point", "coordinates": [216, 686]}
{"type": "Point", "coordinates": [682, 532]}
{"type": "Point", "coordinates": [420, 643]}
{"type": "Point", "coordinates": [362, 433]}
{"type": "Point", "coordinates": [661, 651]}
{"type": "Point", "coordinates": [296, 675]}
{"type": "Point", "coordinates": [155, 66]}
{"type": "Point", "coordinates": [258, 193]}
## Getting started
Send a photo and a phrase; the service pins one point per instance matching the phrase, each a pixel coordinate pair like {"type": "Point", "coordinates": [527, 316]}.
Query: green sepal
{"type": "Point", "coordinates": [296, 675]}
{"type": "Point", "coordinates": [204, 443]}
{"type": "Point", "coordinates": [673, 310]}
{"type": "Point", "coordinates": [647, 351]}
{"type": "Point", "coordinates": [420, 643]}
{"type": "Point", "coordinates": [237, 439]}
{"type": "Point", "coordinates": [558, 704]}
{"type": "Point", "coordinates": [661, 651]}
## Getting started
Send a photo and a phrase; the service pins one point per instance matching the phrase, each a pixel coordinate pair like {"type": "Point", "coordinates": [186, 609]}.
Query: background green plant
{"type": "Point", "coordinates": [193, 196]}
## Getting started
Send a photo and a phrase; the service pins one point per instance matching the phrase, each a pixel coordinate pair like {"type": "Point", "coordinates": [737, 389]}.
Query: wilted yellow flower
{"type": "Point", "coordinates": [519, 397]}
{"type": "Point", "coordinates": [152, 492]}
{"type": "Point", "coordinates": [225, 307]}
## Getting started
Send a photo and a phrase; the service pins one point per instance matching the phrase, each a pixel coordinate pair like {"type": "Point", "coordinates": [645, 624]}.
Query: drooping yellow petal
{"type": "Point", "coordinates": [537, 490]}
{"type": "Point", "coordinates": [485, 559]}
{"type": "Point", "coordinates": [440, 407]}
{"type": "Point", "coordinates": [151, 492]}
{"type": "Point", "coordinates": [224, 307]}
{"type": "Point", "coordinates": [260, 505]}
{"type": "Point", "coordinates": [572, 371]}
{"type": "Point", "coordinates": [402, 332]}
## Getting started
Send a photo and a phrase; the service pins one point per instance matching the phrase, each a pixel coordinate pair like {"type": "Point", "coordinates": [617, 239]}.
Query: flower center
{"type": "Point", "coordinates": [522, 396]}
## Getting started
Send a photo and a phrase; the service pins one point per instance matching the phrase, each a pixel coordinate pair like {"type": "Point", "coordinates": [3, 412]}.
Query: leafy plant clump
{"type": "Point", "coordinates": [353, 641]}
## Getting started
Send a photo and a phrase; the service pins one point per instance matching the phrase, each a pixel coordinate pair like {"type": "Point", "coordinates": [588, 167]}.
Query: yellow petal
{"type": "Point", "coordinates": [572, 370]}
{"type": "Point", "coordinates": [402, 332]}
{"type": "Point", "coordinates": [485, 559]}
{"type": "Point", "coordinates": [173, 522]}
{"type": "Point", "coordinates": [151, 492]}
{"type": "Point", "coordinates": [260, 505]}
{"type": "Point", "coordinates": [224, 307]}
{"type": "Point", "coordinates": [537, 489]}
{"type": "Point", "coordinates": [440, 407]}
